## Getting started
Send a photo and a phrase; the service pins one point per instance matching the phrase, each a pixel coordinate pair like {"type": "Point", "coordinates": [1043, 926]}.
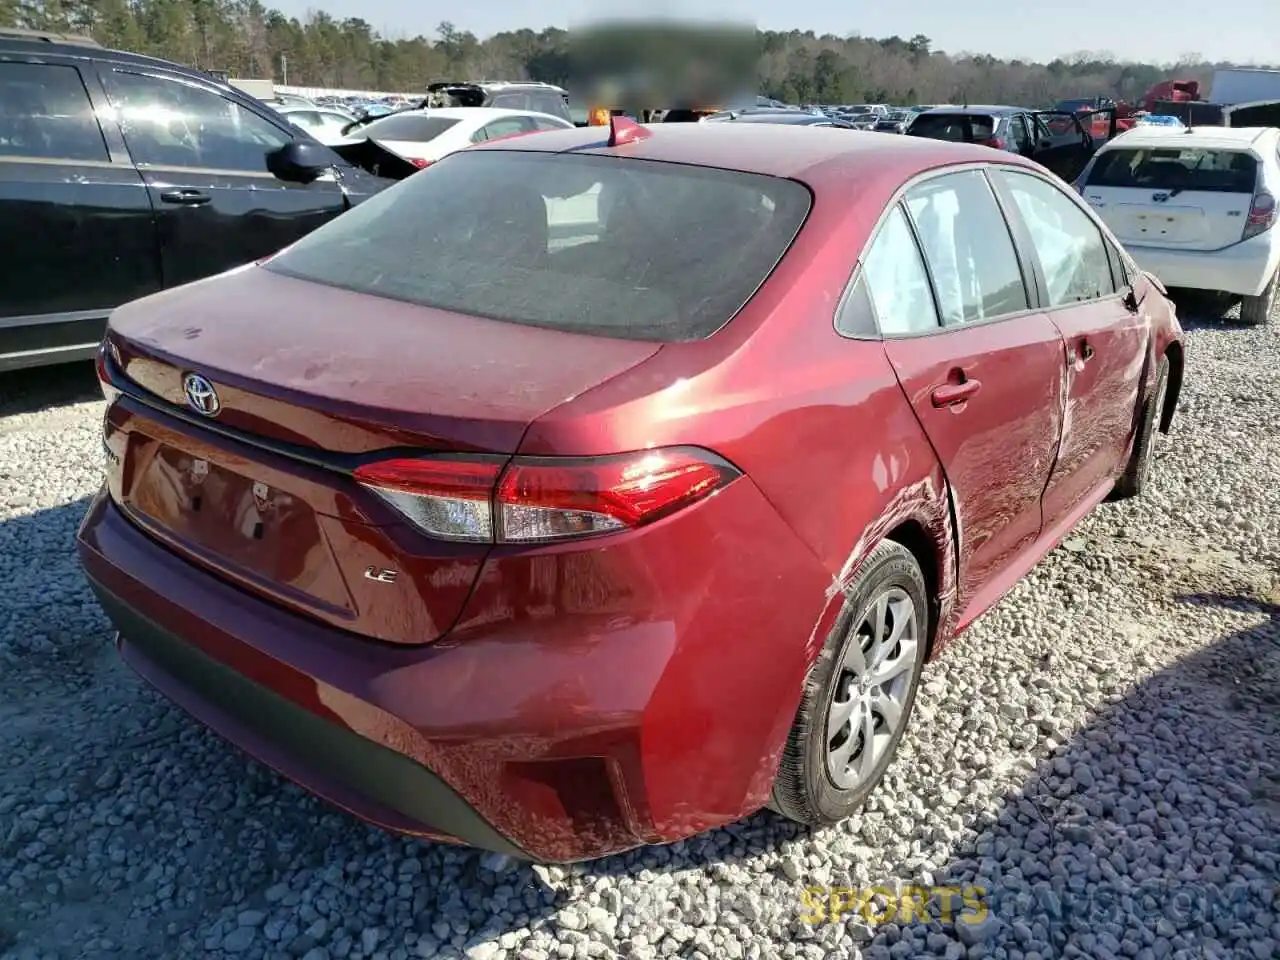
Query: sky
{"type": "Point", "coordinates": [1159, 31]}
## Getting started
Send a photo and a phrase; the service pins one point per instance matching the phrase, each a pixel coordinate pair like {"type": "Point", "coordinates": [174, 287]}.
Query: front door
{"type": "Point", "coordinates": [76, 233]}
{"type": "Point", "coordinates": [1064, 145]}
{"type": "Point", "coordinates": [203, 157]}
{"type": "Point", "coordinates": [1106, 341]}
{"type": "Point", "coordinates": [982, 371]}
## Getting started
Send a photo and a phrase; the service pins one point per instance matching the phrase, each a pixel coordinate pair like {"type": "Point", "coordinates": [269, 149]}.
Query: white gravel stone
{"type": "Point", "coordinates": [1100, 752]}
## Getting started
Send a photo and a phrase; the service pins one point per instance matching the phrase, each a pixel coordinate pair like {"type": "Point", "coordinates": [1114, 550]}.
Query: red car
{"type": "Point", "coordinates": [593, 489]}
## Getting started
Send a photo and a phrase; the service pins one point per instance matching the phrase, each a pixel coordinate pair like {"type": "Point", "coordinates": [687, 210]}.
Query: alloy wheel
{"type": "Point", "coordinates": [872, 688]}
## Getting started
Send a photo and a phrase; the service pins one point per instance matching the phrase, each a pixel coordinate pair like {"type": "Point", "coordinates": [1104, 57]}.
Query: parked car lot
{"type": "Point", "coordinates": [1052, 748]}
{"type": "Point", "coordinates": [1050, 703]}
{"type": "Point", "coordinates": [1115, 715]}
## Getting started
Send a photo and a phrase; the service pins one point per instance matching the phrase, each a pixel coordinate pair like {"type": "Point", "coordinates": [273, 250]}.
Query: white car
{"type": "Point", "coordinates": [1196, 207]}
{"type": "Point", "coordinates": [425, 136]}
{"type": "Point", "coordinates": [324, 123]}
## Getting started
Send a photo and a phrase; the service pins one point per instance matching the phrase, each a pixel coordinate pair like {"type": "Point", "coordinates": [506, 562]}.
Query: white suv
{"type": "Point", "coordinates": [1195, 207]}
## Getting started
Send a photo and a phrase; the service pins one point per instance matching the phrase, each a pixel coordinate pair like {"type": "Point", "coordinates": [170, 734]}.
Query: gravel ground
{"type": "Point", "coordinates": [1100, 754]}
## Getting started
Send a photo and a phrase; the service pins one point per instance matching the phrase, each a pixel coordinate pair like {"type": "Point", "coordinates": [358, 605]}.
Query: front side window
{"type": "Point", "coordinates": [45, 113]}
{"type": "Point", "coordinates": [1018, 133]}
{"type": "Point", "coordinates": [170, 123]}
{"type": "Point", "coordinates": [1068, 244]}
{"type": "Point", "coordinates": [612, 247]}
{"type": "Point", "coordinates": [896, 280]}
{"type": "Point", "coordinates": [968, 248]}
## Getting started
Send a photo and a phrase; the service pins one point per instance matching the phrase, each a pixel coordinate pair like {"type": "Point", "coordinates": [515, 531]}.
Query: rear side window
{"type": "Point", "coordinates": [958, 128]}
{"type": "Point", "coordinates": [45, 113]}
{"type": "Point", "coordinates": [1173, 168]}
{"type": "Point", "coordinates": [896, 280]}
{"type": "Point", "coordinates": [968, 248]}
{"type": "Point", "coordinates": [621, 248]}
{"type": "Point", "coordinates": [409, 128]}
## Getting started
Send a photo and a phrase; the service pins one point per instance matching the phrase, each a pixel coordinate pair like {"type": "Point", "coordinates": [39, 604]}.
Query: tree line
{"type": "Point", "coordinates": [247, 39]}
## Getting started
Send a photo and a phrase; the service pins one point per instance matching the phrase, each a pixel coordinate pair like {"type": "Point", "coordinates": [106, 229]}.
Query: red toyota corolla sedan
{"type": "Point", "coordinates": [596, 488]}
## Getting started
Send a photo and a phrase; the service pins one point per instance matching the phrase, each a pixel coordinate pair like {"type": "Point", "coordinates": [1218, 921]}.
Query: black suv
{"type": "Point", "coordinates": [121, 175]}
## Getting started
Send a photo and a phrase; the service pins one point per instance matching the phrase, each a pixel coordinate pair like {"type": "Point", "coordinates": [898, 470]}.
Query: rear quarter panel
{"type": "Point", "coordinates": [817, 421]}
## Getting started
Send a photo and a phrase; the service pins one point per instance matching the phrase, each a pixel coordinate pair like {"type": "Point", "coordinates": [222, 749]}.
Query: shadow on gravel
{"type": "Point", "coordinates": [26, 391]}
{"type": "Point", "coordinates": [1154, 832]}
{"type": "Point", "coordinates": [1204, 311]}
{"type": "Point", "coordinates": [48, 614]}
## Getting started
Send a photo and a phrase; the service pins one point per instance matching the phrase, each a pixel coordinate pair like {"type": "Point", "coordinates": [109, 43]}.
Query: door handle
{"type": "Point", "coordinates": [953, 394]}
{"type": "Point", "coordinates": [1084, 352]}
{"type": "Point", "coordinates": [186, 198]}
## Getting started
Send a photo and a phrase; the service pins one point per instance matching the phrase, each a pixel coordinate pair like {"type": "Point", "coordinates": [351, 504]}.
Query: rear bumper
{"type": "Point", "coordinates": [560, 740]}
{"type": "Point", "coordinates": [337, 761]}
{"type": "Point", "coordinates": [1243, 269]}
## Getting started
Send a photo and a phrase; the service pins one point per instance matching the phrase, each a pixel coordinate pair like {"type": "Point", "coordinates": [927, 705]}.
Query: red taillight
{"type": "Point", "coordinates": [1262, 214]}
{"type": "Point", "coordinates": [544, 499]}
{"type": "Point", "coordinates": [420, 163]}
{"type": "Point", "coordinates": [996, 142]}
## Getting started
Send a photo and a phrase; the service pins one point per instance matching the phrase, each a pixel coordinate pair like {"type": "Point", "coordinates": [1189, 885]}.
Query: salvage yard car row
{"type": "Point", "coordinates": [447, 507]}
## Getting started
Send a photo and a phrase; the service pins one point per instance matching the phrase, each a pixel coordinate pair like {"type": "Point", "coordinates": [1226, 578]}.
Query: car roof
{"type": "Point", "coordinates": [1222, 138]}
{"type": "Point", "coordinates": [477, 114]}
{"type": "Point", "coordinates": [808, 153]}
{"type": "Point", "coordinates": [82, 51]}
{"type": "Point", "coordinates": [798, 119]}
{"type": "Point", "coordinates": [494, 86]}
{"type": "Point", "coordinates": [978, 108]}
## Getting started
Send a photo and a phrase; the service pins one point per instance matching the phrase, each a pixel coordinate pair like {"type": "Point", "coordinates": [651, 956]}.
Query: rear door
{"type": "Point", "coordinates": [202, 155]}
{"type": "Point", "coordinates": [1106, 340]}
{"type": "Point", "coordinates": [76, 232]}
{"type": "Point", "coordinates": [1185, 198]}
{"type": "Point", "coordinates": [982, 370]}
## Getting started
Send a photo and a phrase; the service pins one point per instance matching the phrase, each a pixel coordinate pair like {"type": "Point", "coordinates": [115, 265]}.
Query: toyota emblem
{"type": "Point", "coordinates": [201, 397]}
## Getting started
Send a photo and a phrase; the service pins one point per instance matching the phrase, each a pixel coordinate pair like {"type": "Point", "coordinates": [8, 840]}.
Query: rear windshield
{"type": "Point", "coordinates": [409, 127]}
{"type": "Point", "coordinates": [957, 127]}
{"type": "Point", "coordinates": [539, 101]}
{"type": "Point", "coordinates": [1170, 168]}
{"type": "Point", "coordinates": [621, 248]}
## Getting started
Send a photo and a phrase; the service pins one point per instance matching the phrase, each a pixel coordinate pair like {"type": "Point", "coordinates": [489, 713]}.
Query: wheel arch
{"type": "Point", "coordinates": [1173, 352]}
{"type": "Point", "coordinates": [924, 547]}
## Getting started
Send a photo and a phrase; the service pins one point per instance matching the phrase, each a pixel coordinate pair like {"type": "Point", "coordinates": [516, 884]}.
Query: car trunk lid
{"type": "Point", "coordinates": [1184, 198]}
{"type": "Point", "coordinates": [261, 493]}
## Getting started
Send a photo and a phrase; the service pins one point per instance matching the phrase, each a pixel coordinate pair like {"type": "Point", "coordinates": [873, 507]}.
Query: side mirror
{"type": "Point", "coordinates": [299, 161]}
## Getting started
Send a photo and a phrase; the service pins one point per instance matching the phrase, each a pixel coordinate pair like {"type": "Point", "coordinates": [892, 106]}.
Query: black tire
{"type": "Point", "coordinates": [1138, 472]}
{"type": "Point", "coordinates": [1256, 311]}
{"type": "Point", "coordinates": [804, 790]}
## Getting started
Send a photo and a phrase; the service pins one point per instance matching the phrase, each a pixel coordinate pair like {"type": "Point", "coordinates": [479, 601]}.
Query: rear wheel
{"type": "Point", "coordinates": [1255, 311]}
{"type": "Point", "coordinates": [1138, 472]}
{"type": "Point", "coordinates": [859, 694]}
